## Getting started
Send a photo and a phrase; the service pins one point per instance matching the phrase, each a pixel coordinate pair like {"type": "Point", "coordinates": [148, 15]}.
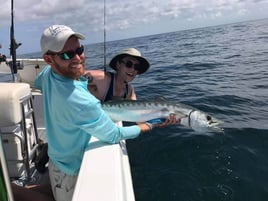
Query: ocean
{"type": "Point", "coordinates": [223, 71]}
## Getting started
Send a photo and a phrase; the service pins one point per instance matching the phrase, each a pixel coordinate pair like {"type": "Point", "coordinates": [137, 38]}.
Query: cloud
{"type": "Point", "coordinates": [126, 17]}
{"type": "Point", "coordinates": [88, 14]}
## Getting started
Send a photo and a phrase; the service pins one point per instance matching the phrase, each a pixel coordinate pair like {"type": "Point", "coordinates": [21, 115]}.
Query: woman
{"type": "Point", "coordinates": [107, 85]}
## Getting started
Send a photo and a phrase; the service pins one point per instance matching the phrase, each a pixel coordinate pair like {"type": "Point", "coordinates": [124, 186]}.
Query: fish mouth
{"type": "Point", "coordinates": [212, 122]}
{"type": "Point", "coordinates": [215, 125]}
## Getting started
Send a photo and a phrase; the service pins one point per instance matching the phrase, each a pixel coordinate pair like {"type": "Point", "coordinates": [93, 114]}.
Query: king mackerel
{"type": "Point", "coordinates": [142, 110]}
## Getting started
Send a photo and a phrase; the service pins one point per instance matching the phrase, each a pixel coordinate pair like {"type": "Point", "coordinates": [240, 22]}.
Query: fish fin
{"type": "Point", "coordinates": [160, 98]}
{"type": "Point", "coordinates": [178, 114]}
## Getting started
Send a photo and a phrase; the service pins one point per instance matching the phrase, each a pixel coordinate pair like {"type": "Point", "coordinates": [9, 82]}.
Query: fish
{"type": "Point", "coordinates": [146, 110]}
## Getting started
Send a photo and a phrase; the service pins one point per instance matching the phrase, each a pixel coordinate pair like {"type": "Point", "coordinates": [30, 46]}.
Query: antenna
{"type": "Point", "coordinates": [104, 35]}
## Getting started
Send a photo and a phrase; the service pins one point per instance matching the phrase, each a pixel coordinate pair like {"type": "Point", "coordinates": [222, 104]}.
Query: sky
{"type": "Point", "coordinates": [124, 18]}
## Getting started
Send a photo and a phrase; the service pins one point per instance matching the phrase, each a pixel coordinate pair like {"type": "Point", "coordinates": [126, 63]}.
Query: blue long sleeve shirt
{"type": "Point", "coordinates": [72, 116]}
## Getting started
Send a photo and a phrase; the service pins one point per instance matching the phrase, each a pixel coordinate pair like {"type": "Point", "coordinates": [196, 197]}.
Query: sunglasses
{"type": "Point", "coordinates": [69, 54]}
{"type": "Point", "coordinates": [130, 64]}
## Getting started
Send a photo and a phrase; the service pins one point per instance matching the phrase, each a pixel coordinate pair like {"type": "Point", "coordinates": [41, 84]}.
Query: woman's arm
{"type": "Point", "coordinates": [132, 94]}
{"type": "Point", "coordinates": [98, 82]}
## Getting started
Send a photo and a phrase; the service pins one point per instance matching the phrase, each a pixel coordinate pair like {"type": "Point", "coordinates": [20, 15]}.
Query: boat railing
{"type": "Point", "coordinates": [105, 173]}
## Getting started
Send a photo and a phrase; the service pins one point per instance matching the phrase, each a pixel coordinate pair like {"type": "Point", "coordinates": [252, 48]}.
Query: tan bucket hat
{"type": "Point", "coordinates": [133, 53]}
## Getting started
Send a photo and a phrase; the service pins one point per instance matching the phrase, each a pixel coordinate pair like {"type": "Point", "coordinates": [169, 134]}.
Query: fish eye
{"type": "Point", "coordinates": [209, 118]}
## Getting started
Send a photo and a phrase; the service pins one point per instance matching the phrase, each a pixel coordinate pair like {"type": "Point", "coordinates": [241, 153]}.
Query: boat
{"type": "Point", "coordinates": [104, 167]}
{"type": "Point", "coordinates": [32, 68]}
{"type": "Point", "coordinates": [105, 171]}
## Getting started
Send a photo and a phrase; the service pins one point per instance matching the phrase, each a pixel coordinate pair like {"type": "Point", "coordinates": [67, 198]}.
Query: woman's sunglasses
{"type": "Point", "coordinates": [69, 54]}
{"type": "Point", "coordinates": [130, 64]}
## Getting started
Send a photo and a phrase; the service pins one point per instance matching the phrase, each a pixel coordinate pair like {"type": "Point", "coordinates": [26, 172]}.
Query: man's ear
{"type": "Point", "coordinates": [47, 59]}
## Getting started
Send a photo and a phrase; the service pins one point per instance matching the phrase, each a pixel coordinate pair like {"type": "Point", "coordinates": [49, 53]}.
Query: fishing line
{"type": "Point", "coordinates": [104, 36]}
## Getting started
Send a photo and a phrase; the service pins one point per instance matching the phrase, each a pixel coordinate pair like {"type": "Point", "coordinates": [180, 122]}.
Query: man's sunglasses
{"type": "Point", "coordinates": [130, 64]}
{"type": "Point", "coordinates": [69, 54]}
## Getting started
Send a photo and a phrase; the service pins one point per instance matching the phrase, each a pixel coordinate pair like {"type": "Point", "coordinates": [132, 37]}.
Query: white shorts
{"type": "Point", "coordinates": [62, 184]}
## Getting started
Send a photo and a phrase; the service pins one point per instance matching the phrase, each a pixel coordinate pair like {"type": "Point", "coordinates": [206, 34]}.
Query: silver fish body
{"type": "Point", "coordinates": [142, 111]}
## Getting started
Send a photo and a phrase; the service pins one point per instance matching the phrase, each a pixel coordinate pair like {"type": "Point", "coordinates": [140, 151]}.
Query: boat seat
{"type": "Point", "coordinates": [18, 128]}
{"type": "Point", "coordinates": [10, 99]}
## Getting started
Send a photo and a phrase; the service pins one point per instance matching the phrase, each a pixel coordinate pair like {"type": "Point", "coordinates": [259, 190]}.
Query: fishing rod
{"type": "Point", "coordinates": [104, 35]}
{"type": "Point", "coordinates": [13, 45]}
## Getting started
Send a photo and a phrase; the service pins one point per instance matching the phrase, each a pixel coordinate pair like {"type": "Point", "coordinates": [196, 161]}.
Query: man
{"type": "Point", "coordinates": [72, 114]}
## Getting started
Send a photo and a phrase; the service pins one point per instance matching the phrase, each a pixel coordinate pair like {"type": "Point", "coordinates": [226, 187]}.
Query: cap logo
{"type": "Point", "coordinates": [54, 31]}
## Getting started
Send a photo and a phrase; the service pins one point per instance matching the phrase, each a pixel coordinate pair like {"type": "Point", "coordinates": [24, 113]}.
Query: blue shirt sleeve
{"type": "Point", "coordinates": [96, 122]}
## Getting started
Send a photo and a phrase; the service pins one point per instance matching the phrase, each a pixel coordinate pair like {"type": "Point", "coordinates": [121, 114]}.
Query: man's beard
{"type": "Point", "coordinates": [68, 71]}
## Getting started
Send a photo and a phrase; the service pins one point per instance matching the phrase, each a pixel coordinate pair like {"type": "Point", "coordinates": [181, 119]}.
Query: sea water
{"type": "Point", "coordinates": [222, 70]}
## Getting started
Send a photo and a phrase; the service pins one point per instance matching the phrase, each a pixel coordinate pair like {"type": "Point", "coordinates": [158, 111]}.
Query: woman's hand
{"type": "Point", "coordinates": [172, 120]}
